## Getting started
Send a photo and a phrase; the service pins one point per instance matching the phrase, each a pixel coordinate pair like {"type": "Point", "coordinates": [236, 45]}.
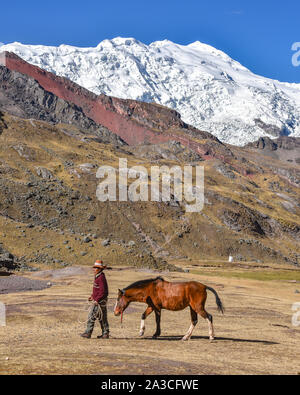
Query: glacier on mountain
{"type": "Point", "coordinates": [209, 89]}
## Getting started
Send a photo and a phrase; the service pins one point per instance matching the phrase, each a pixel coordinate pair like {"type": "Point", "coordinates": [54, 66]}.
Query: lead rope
{"type": "Point", "coordinates": [88, 307]}
{"type": "Point", "coordinates": [125, 336]}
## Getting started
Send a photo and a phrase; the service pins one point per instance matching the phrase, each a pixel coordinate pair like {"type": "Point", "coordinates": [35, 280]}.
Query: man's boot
{"type": "Point", "coordinates": [87, 335]}
{"type": "Point", "coordinates": [104, 336]}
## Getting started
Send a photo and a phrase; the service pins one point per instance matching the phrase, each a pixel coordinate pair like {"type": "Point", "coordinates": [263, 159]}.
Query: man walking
{"type": "Point", "coordinates": [99, 298]}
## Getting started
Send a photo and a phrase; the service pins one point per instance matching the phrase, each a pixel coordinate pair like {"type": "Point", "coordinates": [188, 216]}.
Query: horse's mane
{"type": "Point", "coordinates": [142, 283]}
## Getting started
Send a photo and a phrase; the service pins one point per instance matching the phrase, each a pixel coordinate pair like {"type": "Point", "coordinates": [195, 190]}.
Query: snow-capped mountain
{"type": "Point", "coordinates": [209, 89]}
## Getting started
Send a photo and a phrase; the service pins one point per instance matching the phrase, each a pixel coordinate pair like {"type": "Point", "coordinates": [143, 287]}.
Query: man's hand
{"type": "Point", "coordinates": [90, 299]}
{"type": "Point", "coordinates": [95, 302]}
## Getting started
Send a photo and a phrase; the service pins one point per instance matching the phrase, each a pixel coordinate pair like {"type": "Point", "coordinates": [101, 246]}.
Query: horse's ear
{"type": "Point", "coordinates": [121, 292]}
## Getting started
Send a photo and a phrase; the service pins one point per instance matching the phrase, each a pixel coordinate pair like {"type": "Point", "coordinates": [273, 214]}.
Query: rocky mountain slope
{"type": "Point", "coordinates": [49, 213]}
{"type": "Point", "coordinates": [24, 97]}
{"type": "Point", "coordinates": [209, 89]}
{"type": "Point", "coordinates": [135, 122]}
{"type": "Point", "coordinates": [283, 148]}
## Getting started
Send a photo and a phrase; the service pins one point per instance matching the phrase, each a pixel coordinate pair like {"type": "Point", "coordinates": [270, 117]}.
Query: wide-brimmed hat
{"type": "Point", "coordinates": [99, 264]}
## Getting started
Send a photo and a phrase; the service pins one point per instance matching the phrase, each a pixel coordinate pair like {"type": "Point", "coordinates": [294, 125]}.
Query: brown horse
{"type": "Point", "coordinates": [159, 294]}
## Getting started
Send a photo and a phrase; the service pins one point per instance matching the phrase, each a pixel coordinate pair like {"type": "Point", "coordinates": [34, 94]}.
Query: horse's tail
{"type": "Point", "coordinates": [218, 300]}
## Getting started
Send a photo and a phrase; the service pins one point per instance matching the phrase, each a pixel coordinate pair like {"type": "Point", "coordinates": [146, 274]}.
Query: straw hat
{"type": "Point", "coordinates": [99, 265]}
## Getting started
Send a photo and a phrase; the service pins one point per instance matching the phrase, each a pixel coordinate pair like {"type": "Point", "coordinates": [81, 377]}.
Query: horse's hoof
{"type": "Point", "coordinates": [141, 334]}
{"type": "Point", "coordinates": [185, 338]}
{"type": "Point", "coordinates": [211, 339]}
{"type": "Point", "coordinates": [155, 336]}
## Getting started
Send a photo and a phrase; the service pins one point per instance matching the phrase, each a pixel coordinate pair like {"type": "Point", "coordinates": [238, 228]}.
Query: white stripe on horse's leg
{"type": "Point", "coordinates": [210, 329]}
{"type": "Point", "coordinates": [189, 332]}
{"type": "Point", "coordinates": [148, 311]}
{"type": "Point", "coordinates": [142, 330]}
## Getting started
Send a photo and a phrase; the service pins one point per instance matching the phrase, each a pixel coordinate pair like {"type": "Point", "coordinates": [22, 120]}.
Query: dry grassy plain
{"type": "Point", "coordinates": [255, 336]}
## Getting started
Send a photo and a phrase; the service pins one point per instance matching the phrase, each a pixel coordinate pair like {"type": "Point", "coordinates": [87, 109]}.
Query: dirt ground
{"type": "Point", "coordinates": [254, 336]}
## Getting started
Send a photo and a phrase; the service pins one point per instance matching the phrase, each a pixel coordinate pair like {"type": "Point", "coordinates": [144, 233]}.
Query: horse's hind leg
{"type": "Point", "coordinates": [208, 317]}
{"type": "Point", "coordinates": [144, 316]}
{"type": "Point", "coordinates": [194, 320]}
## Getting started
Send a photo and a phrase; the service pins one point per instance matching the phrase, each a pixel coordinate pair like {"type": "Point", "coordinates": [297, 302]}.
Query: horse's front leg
{"type": "Point", "coordinates": [157, 318]}
{"type": "Point", "coordinates": [144, 316]}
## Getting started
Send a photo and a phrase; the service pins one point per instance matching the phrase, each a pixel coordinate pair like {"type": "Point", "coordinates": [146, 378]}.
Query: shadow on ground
{"type": "Point", "coordinates": [176, 338]}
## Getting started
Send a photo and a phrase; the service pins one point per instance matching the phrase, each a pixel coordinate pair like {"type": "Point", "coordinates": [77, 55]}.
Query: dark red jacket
{"type": "Point", "coordinates": [100, 288]}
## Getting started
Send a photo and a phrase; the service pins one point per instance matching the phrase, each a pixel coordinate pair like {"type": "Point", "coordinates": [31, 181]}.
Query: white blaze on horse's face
{"type": "Point", "coordinates": [121, 303]}
{"type": "Point", "coordinates": [117, 310]}
{"type": "Point", "coordinates": [115, 307]}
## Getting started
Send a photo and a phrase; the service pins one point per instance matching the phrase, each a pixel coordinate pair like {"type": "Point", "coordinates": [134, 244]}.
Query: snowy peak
{"type": "Point", "coordinates": [209, 89]}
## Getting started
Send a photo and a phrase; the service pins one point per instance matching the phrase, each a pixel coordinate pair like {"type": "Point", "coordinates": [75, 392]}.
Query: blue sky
{"type": "Point", "coordinates": [259, 34]}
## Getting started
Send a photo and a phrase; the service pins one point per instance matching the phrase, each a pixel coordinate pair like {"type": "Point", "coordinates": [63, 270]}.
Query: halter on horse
{"type": "Point", "coordinates": [159, 294]}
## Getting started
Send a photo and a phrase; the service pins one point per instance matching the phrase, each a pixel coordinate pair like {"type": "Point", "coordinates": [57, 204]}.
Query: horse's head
{"type": "Point", "coordinates": [122, 302]}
